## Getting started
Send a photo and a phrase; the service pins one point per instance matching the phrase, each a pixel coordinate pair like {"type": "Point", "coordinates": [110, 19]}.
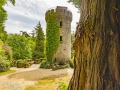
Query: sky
{"type": "Point", "coordinates": [26, 14]}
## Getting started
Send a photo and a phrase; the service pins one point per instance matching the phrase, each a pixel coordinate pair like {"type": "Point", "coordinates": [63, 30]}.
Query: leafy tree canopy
{"type": "Point", "coordinates": [22, 46]}
{"type": "Point", "coordinates": [3, 17]}
{"type": "Point", "coordinates": [75, 2]}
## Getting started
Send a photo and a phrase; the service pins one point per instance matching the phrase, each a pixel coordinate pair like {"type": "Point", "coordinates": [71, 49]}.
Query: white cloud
{"type": "Point", "coordinates": [26, 14]}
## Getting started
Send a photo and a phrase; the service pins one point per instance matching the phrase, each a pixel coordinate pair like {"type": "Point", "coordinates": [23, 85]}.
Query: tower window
{"type": "Point", "coordinates": [60, 38]}
{"type": "Point", "coordinates": [64, 11]}
{"type": "Point", "coordinates": [61, 23]}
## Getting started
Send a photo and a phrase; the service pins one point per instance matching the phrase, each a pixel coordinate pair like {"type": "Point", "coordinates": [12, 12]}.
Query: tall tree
{"type": "Point", "coordinates": [97, 46]}
{"type": "Point", "coordinates": [39, 47]}
{"type": "Point", "coordinates": [24, 33]}
{"type": "Point", "coordinates": [3, 17]}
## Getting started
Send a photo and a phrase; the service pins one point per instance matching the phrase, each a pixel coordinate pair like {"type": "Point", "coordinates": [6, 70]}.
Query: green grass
{"type": "Point", "coordinates": [50, 83]}
{"type": "Point", "coordinates": [7, 72]}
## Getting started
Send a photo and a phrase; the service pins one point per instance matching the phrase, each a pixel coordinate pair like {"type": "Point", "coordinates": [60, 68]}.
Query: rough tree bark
{"type": "Point", "coordinates": [97, 46]}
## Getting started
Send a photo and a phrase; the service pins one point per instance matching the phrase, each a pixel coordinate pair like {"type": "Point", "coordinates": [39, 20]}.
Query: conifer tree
{"type": "Point", "coordinates": [39, 47]}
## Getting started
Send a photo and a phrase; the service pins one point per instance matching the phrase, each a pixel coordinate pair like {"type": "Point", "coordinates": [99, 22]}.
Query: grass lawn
{"type": "Point", "coordinates": [50, 83]}
{"type": "Point", "coordinates": [7, 72]}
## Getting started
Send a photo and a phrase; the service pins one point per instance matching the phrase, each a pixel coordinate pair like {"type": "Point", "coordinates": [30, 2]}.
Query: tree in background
{"type": "Point", "coordinates": [4, 49]}
{"type": "Point", "coordinates": [3, 17]}
{"type": "Point", "coordinates": [39, 43]}
{"type": "Point", "coordinates": [3, 33]}
{"type": "Point", "coordinates": [24, 33]}
{"type": "Point", "coordinates": [97, 46]}
{"type": "Point", "coordinates": [22, 46]}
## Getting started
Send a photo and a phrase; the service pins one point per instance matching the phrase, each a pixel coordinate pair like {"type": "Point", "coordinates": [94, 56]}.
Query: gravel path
{"type": "Point", "coordinates": [28, 76]}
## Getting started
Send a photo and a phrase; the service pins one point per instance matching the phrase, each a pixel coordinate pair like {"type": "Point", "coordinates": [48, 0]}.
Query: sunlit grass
{"type": "Point", "coordinates": [50, 83]}
{"type": "Point", "coordinates": [7, 72]}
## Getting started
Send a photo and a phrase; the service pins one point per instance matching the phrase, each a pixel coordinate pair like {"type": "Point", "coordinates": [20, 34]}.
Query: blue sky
{"type": "Point", "coordinates": [25, 15]}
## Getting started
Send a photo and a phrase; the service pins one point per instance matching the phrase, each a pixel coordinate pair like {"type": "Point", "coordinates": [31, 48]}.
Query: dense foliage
{"type": "Point", "coordinates": [8, 52]}
{"type": "Point", "coordinates": [3, 17]}
{"type": "Point", "coordinates": [39, 43]}
{"type": "Point", "coordinates": [75, 2]}
{"type": "Point", "coordinates": [12, 1]}
{"type": "Point", "coordinates": [62, 86]}
{"type": "Point", "coordinates": [52, 34]}
{"type": "Point", "coordinates": [46, 64]}
{"type": "Point", "coordinates": [4, 65]}
{"type": "Point", "coordinates": [52, 65]}
{"type": "Point", "coordinates": [2, 51]}
{"type": "Point", "coordinates": [22, 46]}
{"type": "Point", "coordinates": [5, 51]}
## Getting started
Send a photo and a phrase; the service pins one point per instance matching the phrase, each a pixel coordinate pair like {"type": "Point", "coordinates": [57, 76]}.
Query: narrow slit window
{"type": "Point", "coordinates": [64, 11]}
{"type": "Point", "coordinates": [60, 38]}
{"type": "Point", "coordinates": [61, 23]}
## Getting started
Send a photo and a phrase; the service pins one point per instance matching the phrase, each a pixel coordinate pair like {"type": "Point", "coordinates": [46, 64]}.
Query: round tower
{"type": "Point", "coordinates": [64, 19]}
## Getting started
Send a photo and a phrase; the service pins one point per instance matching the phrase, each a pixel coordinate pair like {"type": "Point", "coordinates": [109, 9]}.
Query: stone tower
{"type": "Point", "coordinates": [63, 53]}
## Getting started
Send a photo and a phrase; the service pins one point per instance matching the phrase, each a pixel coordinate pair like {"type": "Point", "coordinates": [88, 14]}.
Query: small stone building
{"type": "Point", "coordinates": [63, 53]}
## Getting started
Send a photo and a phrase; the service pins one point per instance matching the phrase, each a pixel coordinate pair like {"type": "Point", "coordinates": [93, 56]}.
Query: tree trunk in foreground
{"type": "Point", "coordinates": [97, 46]}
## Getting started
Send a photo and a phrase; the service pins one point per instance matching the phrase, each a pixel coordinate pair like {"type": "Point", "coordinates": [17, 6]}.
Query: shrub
{"type": "Point", "coordinates": [14, 63]}
{"type": "Point", "coordinates": [66, 66]}
{"type": "Point", "coordinates": [62, 86]}
{"type": "Point", "coordinates": [26, 65]}
{"type": "Point", "coordinates": [42, 59]}
{"type": "Point", "coordinates": [61, 63]}
{"type": "Point", "coordinates": [8, 51]}
{"type": "Point", "coordinates": [4, 66]}
{"type": "Point", "coordinates": [71, 63]}
{"type": "Point", "coordinates": [8, 65]}
{"type": "Point", "coordinates": [45, 64]}
{"type": "Point", "coordinates": [20, 61]}
{"type": "Point", "coordinates": [53, 65]}
{"type": "Point", "coordinates": [37, 61]}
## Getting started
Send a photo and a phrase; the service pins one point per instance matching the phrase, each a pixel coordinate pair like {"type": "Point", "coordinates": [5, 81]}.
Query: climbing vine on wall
{"type": "Point", "coordinates": [52, 34]}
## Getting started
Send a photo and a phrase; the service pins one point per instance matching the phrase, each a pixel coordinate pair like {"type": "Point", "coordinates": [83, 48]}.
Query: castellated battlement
{"type": "Point", "coordinates": [63, 13]}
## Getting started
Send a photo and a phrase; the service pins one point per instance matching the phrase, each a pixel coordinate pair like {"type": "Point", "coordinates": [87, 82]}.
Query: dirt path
{"type": "Point", "coordinates": [24, 77]}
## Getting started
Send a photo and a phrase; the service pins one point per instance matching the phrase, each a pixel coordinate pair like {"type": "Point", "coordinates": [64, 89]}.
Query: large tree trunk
{"type": "Point", "coordinates": [97, 46]}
